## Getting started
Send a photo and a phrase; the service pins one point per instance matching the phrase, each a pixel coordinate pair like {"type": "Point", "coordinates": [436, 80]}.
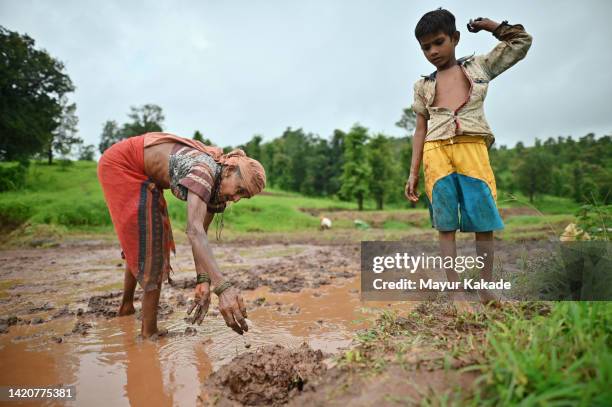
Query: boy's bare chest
{"type": "Point", "coordinates": [452, 88]}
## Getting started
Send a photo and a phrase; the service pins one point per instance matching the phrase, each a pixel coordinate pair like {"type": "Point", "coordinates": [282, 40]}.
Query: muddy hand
{"type": "Point", "coordinates": [481, 23]}
{"type": "Point", "coordinates": [233, 310]}
{"type": "Point", "coordinates": [200, 303]}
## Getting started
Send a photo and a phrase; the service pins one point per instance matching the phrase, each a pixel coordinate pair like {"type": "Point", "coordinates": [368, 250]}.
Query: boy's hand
{"type": "Point", "coordinates": [411, 188]}
{"type": "Point", "coordinates": [481, 23]}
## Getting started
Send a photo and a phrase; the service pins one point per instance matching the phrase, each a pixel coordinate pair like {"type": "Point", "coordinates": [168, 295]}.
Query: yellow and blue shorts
{"type": "Point", "coordinates": [459, 180]}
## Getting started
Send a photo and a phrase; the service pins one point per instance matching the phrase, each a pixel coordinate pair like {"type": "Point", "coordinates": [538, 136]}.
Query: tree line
{"type": "Point", "coordinates": [38, 120]}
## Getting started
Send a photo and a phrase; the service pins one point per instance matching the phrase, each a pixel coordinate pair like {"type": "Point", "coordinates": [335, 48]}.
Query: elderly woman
{"type": "Point", "coordinates": [133, 174]}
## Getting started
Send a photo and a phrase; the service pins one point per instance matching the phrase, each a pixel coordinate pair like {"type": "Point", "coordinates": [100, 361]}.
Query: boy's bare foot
{"type": "Point", "coordinates": [463, 306]}
{"type": "Point", "coordinates": [488, 298]}
{"type": "Point", "coordinates": [126, 309]}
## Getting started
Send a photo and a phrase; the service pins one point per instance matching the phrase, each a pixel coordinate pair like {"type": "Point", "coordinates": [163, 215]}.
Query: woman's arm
{"type": "Point", "coordinates": [231, 304]}
{"type": "Point", "coordinates": [207, 219]}
{"type": "Point", "coordinates": [418, 141]}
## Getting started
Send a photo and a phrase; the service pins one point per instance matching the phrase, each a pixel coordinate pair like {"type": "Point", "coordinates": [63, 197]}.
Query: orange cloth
{"type": "Point", "coordinates": [138, 210]}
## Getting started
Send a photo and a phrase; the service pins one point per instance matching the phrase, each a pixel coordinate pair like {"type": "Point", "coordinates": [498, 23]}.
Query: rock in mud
{"type": "Point", "coordinates": [37, 320]}
{"type": "Point", "coordinates": [64, 312]}
{"type": "Point", "coordinates": [270, 376]}
{"type": "Point", "coordinates": [3, 328]}
{"type": "Point", "coordinates": [81, 328]}
{"type": "Point", "coordinates": [44, 307]}
{"type": "Point", "coordinates": [190, 331]}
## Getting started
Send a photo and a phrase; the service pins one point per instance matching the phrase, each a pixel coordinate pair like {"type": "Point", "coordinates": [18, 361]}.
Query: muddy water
{"type": "Point", "coordinates": [111, 365]}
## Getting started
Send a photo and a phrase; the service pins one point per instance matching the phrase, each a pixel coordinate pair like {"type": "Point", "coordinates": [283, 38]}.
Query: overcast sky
{"type": "Point", "coordinates": [234, 69]}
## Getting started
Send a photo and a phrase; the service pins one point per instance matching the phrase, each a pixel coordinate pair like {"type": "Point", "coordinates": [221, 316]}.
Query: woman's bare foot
{"type": "Point", "coordinates": [126, 309]}
{"type": "Point", "coordinates": [153, 336]}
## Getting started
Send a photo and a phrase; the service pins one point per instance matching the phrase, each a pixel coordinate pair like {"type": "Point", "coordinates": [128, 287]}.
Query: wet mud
{"type": "Point", "coordinates": [59, 316]}
{"type": "Point", "coordinates": [59, 324]}
{"type": "Point", "coordinates": [268, 377]}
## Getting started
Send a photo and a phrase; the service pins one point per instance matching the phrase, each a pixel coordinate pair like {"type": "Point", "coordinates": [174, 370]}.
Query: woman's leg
{"type": "Point", "coordinates": [150, 300]}
{"type": "Point", "coordinates": [129, 286]}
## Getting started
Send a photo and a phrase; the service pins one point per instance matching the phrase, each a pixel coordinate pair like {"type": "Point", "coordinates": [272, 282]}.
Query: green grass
{"type": "Point", "coordinates": [552, 205]}
{"type": "Point", "coordinates": [561, 358]}
{"type": "Point", "coordinates": [69, 196]}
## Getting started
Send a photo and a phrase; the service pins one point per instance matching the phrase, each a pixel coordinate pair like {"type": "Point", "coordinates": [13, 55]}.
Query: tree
{"type": "Point", "coordinates": [144, 119]}
{"type": "Point", "coordinates": [253, 147]}
{"type": "Point", "coordinates": [533, 174]}
{"type": "Point", "coordinates": [407, 121]}
{"type": "Point", "coordinates": [382, 178]}
{"type": "Point", "coordinates": [64, 136]}
{"type": "Point", "coordinates": [200, 137]}
{"type": "Point", "coordinates": [336, 157]}
{"type": "Point", "coordinates": [355, 171]}
{"type": "Point", "coordinates": [86, 153]}
{"type": "Point", "coordinates": [32, 84]}
{"type": "Point", "coordinates": [110, 135]}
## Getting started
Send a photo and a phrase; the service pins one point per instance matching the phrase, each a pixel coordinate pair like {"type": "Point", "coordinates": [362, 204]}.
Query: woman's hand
{"type": "Point", "coordinates": [233, 310]}
{"type": "Point", "coordinates": [200, 303]}
{"type": "Point", "coordinates": [411, 188]}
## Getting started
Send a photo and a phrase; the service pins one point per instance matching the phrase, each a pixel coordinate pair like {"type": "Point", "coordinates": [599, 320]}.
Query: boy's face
{"type": "Point", "coordinates": [439, 48]}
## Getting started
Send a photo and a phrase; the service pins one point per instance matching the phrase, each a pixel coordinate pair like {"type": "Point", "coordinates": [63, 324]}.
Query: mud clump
{"type": "Point", "coordinates": [81, 328]}
{"type": "Point", "coordinates": [104, 305]}
{"type": "Point", "coordinates": [270, 376]}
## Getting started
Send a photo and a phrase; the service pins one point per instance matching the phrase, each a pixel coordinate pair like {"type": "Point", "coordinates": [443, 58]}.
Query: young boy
{"type": "Point", "coordinates": [452, 135]}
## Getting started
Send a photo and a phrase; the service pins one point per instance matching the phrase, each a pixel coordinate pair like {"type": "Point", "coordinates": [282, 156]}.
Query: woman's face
{"type": "Point", "coordinates": [232, 187]}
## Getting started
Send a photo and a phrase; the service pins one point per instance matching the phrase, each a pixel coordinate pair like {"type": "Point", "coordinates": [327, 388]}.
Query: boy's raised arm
{"type": "Point", "coordinates": [515, 43]}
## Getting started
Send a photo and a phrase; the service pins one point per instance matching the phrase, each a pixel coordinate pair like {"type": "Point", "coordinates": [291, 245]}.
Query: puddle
{"type": "Point", "coordinates": [110, 365]}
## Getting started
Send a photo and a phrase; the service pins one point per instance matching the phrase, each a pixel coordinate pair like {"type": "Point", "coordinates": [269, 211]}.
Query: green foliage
{"type": "Point", "coordinates": [86, 153]}
{"type": "Point", "coordinates": [563, 167]}
{"type": "Point", "coordinates": [13, 177]}
{"type": "Point", "coordinates": [200, 137]}
{"type": "Point", "coordinates": [356, 171]}
{"type": "Point", "coordinates": [144, 119]}
{"type": "Point", "coordinates": [64, 137]}
{"type": "Point", "coordinates": [407, 121]}
{"type": "Point", "coordinates": [383, 169]}
{"type": "Point", "coordinates": [533, 175]}
{"type": "Point", "coordinates": [32, 84]}
{"type": "Point", "coordinates": [300, 162]}
{"type": "Point", "coordinates": [564, 358]}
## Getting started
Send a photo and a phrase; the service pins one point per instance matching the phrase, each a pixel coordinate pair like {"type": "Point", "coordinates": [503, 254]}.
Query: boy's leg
{"type": "Point", "coordinates": [129, 286]}
{"type": "Point", "coordinates": [448, 248]}
{"type": "Point", "coordinates": [485, 248]}
{"type": "Point", "coordinates": [150, 301]}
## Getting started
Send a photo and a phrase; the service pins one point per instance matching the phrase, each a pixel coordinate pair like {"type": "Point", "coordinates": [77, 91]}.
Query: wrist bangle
{"type": "Point", "coordinates": [222, 287]}
{"type": "Point", "coordinates": [202, 278]}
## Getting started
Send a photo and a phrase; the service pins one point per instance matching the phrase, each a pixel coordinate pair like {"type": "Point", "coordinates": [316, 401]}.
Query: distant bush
{"type": "Point", "coordinates": [13, 214]}
{"type": "Point", "coordinates": [13, 177]}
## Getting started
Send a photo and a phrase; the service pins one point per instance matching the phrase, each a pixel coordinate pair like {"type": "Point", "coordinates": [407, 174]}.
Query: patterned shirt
{"type": "Point", "coordinates": [469, 119]}
{"type": "Point", "coordinates": [197, 172]}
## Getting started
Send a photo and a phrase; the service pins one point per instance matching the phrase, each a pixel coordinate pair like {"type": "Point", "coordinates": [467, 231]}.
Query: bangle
{"type": "Point", "coordinates": [202, 278]}
{"type": "Point", "coordinates": [222, 287]}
